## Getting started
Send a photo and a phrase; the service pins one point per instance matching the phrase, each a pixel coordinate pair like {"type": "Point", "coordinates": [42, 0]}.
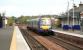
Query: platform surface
{"type": "Point", "coordinates": [70, 32]}
{"type": "Point", "coordinates": [18, 41]}
{"type": "Point", "coordinates": [5, 37]}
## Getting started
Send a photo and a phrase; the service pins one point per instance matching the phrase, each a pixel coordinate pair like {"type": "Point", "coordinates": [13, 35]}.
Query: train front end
{"type": "Point", "coordinates": [45, 23]}
{"type": "Point", "coordinates": [45, 26]}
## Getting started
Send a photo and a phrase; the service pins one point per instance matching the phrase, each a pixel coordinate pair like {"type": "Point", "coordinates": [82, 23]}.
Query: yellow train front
{"type": "Point", "coordinates": [41, 25]}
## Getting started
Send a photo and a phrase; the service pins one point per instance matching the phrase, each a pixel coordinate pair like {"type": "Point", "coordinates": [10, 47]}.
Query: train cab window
{"type": "Point", "coordinates": [45, 22]}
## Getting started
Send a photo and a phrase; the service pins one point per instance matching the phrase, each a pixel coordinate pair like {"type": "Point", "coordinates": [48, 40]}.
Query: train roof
{"type": "Point", "coordinates": [36, 19]}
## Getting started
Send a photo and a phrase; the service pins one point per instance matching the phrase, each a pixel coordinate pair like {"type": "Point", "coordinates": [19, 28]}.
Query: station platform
{"type": "Point", "coordinates": [70, 32]}
{"type": "Point", "coordinates": [18, 42]}
{"type": "Point", "coordinates": [12, 39]}
{"type": "Point", "coordinates": [6, 37]}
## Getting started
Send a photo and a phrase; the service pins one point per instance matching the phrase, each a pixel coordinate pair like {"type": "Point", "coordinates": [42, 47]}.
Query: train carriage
{"type": "Point", "coordinates": [41, 25]}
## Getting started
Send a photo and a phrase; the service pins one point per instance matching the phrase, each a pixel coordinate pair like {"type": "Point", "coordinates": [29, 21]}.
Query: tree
{"type": "Point", "coordinates": [11, 20]}
{"type": "Point", "coordinates": [23, 19]}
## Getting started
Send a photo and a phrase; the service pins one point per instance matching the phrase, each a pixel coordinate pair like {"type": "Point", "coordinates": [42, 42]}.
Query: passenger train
{"type": "Point", "coordinates": [42, 25]}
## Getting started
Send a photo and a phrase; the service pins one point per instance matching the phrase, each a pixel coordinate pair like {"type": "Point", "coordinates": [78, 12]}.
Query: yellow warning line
{"type": "Point", "coordinates": [13, 42]}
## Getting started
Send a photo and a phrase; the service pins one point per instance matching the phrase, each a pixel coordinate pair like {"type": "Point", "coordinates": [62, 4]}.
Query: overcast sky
{"type": "Point", "coordinates": [35, 7]}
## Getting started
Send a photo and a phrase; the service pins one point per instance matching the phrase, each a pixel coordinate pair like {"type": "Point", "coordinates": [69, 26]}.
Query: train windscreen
{"type": "Point", "coordinates": [45, 21]}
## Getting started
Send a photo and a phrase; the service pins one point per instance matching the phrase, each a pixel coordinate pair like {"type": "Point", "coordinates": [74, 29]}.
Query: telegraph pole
{"type": "Point", "coordinates": [73, 12]}
{"type": "Point", "coordinates": [68, 12]}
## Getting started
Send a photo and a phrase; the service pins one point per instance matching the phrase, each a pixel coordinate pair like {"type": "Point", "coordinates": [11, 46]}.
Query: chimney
{"type": "Point", "coordinates": [80, 5]}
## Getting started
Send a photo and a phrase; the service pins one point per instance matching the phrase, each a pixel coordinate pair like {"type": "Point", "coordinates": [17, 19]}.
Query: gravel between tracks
{"type": "Point", "coordinates": [47, 42]}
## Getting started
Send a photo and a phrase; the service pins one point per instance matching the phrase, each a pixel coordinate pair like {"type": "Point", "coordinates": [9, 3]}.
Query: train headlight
{"type": "Point", "coordinates": [45, 27]}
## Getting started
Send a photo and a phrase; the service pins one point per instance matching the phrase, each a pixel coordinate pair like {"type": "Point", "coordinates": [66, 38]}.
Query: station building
{"type": "Point", "coordinates": [3, 20]}
{"type": "Point", "coordinates": [77, 15]}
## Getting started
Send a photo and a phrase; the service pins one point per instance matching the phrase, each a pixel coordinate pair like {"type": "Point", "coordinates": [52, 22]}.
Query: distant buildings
{"type": "Point", "coordinates": [77, 11]}
{"type": "Point", "coordinates": [77, 17]}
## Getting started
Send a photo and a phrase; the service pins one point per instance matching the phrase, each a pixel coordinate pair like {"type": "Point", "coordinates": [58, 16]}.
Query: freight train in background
{"type": "Point", "coordinates": [42, 25]}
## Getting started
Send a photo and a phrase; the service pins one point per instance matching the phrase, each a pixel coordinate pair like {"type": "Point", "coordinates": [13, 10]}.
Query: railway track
{"type": "Point", "coordinates": [34, 45]}
{"type": "Point", "coordinates": [71, 43]}
{"type": "Point", "coordinates": [65, 44]}
{"type": "Point", "coordinates": [37, 42]}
